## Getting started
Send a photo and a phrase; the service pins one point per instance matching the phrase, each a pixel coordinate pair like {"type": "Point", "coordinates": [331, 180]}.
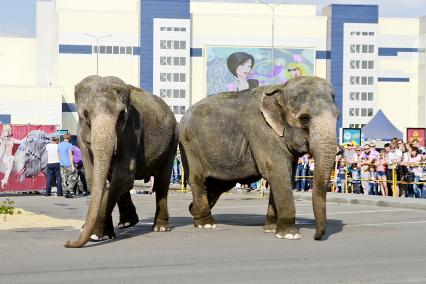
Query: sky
{"type": "Point", "coordinates": [17, 17]}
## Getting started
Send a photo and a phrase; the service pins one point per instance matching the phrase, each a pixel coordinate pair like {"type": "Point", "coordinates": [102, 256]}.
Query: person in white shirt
{"type": "Point", "coordinates": [53, 169]}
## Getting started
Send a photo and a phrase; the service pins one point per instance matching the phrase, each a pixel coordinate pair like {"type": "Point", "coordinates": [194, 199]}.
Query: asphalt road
{"type": "Point", "coordinates": [364, 244]}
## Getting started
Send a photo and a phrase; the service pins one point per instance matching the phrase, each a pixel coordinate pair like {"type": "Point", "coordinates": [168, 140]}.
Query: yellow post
{"type": "Point", "coordinates": [346, 182]}
{"type": "Point", "coordinates": [182, 178]}
{"type": "Point", "coordinates": [394, 193]}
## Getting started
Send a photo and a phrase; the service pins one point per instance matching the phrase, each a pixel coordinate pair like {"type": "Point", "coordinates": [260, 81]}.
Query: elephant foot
{"type": "Point", "coordinates": [205, 222]}
{"type": "Point", "coordinates": [161, 226]}
{"type": "Point", "coordinates": [269, 228]}
{"type": "Point", "coordinates": [127, 222]}
{"type": "Point", "coordinates": [289, 233]}
{"type": "Point", "coordinates": [318, 234]}
{"type": "Point", "coordinates": [107, 235]}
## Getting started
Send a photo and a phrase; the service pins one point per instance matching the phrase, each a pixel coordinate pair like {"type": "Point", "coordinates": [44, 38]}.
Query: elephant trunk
{"type": "Point", "coordinates": [322, 144]}
{"type": "Point", "coordinates": [103, 142]}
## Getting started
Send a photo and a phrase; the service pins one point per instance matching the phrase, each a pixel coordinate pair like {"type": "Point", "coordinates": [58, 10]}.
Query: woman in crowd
{"type": "Point", "coordinates": [381, 173]}
{"type": "Point", "coordinates": [416, 170]}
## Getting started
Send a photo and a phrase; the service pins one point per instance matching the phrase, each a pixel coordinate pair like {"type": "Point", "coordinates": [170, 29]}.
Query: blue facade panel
{"type": "Point", "coordinates": [323, 54]}
{"type": "Point", "coordinates": [75, 49]}
{"type": "Point", "coordinates": [5, 118]}
{"type": "Point", "coordinates": [393, 51]}
{"type": "Point", "coordinates": [196, 52]}
{"type": "Point", "coordinates": [150, 9]}
{"type": "Point", "coordinates": [390, 79]}
{"type": "Point", "coordinates": [339, 15]}
{"type": "Point", "coordinates": [68, 107]}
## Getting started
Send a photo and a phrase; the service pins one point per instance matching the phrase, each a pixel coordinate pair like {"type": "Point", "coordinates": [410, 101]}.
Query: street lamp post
{"type": "Point", "coordinates": [272, 6]}
{"type": "Point", "coordinates": [97, 38]}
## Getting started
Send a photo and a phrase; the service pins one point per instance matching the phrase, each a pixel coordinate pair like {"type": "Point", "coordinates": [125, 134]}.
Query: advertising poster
{"type": "Point", "coordinates": [23, 157]}
{"type": "Point", "coordinates": [352, 135]}
{"type": "Point", "coordinates": [416, 133]}
{"type": "Point", "coordinates": [242, 68]}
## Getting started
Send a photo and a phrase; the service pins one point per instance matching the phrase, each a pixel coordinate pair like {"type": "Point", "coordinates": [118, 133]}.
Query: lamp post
{"type": "Point", "coordinates": [272, 6]}
{"type": "Point", "coordinates": [97, 38]}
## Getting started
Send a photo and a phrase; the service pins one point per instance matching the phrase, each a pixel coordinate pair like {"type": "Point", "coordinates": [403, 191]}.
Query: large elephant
{"type": "Point", "coordinates": [124, 134]}
{"type": "Point", "coordinates": [243, 136]}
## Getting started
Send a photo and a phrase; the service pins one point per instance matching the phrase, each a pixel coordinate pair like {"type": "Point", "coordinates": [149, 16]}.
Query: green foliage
{"type": "Point", "coordinates": [7, 208]}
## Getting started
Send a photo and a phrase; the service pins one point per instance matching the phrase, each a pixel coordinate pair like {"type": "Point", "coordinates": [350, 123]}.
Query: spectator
{"type": "Point", "coordinates": [393, 160]}
{"type": "Point", "coordinates": [381, 173]}
{"type": "Point", "coordinates": [416, 144]}
{"type": "Point", "coordinates": [372, 180]}
{"type": "Point", "coordinates": [311, 169]}
{"type": "Point", "coordinates": [66, 159]}
{"type": "Point", "coordinates": [340, 177]}
{"type": "Point", "coordinates": [78, 162]}
{"type": "Point", "coordinates": [368, 154]}
{"type": "Point", "coordinates": [355, 174]}
{"type": "Point", "coordinates": [176, 169]}
{"type": "Point", "coordinates": [364, 165]}
{"type": "Point", "coordinates": [350, 154]}
{"type": "Point", "coordinates": [416, 170]}
{"type": "Point", "coordinates": [301, 172]}
{"type": "Point", "coordinates": [53, 169]}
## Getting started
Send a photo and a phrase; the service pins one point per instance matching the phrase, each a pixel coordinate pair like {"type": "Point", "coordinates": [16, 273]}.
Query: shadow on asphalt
{"type": "Point", "coordinates": [144, 226]}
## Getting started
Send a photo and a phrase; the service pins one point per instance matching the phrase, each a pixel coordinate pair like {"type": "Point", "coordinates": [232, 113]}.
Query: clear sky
{"type": "Point", "coordinates": [17, 17]}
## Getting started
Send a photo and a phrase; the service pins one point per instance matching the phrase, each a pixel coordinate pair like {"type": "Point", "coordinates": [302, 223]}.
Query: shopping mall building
{"type": "Point", "coordinates": [180, 50]}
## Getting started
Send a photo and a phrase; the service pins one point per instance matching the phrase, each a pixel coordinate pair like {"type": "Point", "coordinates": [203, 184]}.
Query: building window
{"type": "Point", "coordinates": [354, 112]}
{"type": "Point", "coordinates": [371, 49]}
{"type": "Point", "coordinates": [176, 109]}
{"type": "Point", "coordinates": [115, 50]}
{"type": "Point", "coordinates": [128, 50]}
{"type": "Point", "coordinates": [370, 80]}
{"type": "Point", "coordinates": [182, 94]}
{"type": "Point", "coordinates": [370, 96]}
{"type": "Point", "coordinates": [182, 109]}
{"type": "Point", "coordinates": [354, 80]}
{"type": "Point", "coordinates": [354, 96]}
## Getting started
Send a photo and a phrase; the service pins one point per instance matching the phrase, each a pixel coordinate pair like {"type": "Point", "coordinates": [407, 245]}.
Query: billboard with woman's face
{"type": "Point", "coordinates": [241, 68]}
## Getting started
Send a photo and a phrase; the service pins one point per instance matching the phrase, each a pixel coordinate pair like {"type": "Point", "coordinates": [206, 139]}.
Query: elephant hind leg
{"type": "Point", "coordinates": [128, 215]}
{"type": "Point", "coordinates": [161, 189]}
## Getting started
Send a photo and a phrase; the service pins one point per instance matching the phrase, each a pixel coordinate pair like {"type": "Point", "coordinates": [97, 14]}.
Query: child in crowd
{"type": "Point", "coordinates": [364, 175]}
{"type": "Point", "coordinates": [381, 173]}
{"type": "Point", "coordinates": [355, 174]}
{"type": "Point", "coordinates": [340, 177]}
{"type": "Point", "coordinates": [372, 180]}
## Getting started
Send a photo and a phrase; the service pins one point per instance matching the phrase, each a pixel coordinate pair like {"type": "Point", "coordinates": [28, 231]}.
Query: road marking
{"type": "Point", "coordinates": [384, 224]}
{"type": "Point", "coordinates": [356, 212]}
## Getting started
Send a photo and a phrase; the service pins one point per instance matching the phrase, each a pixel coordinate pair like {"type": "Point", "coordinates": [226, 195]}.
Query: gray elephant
{"type": "Point", "coordinates": [243, 136]}
{"type": "Point", "coordinates": [124, 134]}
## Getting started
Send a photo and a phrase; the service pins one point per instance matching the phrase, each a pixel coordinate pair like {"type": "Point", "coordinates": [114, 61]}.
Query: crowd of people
{"type": "Point", "coordinates": [395, 170]}
{"type": "Point", "coordinates": [65, 166]}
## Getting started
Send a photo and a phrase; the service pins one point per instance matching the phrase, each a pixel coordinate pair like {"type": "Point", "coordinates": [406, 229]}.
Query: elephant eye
{"type": "Point", "coordinates": [305, 119]}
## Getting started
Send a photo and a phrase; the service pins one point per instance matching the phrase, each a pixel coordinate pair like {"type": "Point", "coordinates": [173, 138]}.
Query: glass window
{"type": "Point", "coordinates": [364, 48]}
{"type": "Point", "coordinates": [351, 112]}
{"type": "Point", "coordinates": [163, 93]}
{"type": "Point", "coordinates": [352, 33]}
{"type": "Point", "coordinates": [163, 60]}
{"type": "Point", "coordinates": [182, 109]}
{"type": "Point", "coordinates": [175, 29]}
{"type": "Point", "coordinates": [353, 64]}
{"type": "Point", "coordinates": [176, 44]}
{"type": "Point", "coordinates": [95, 49]}
{"type": "Point", "coordinates": [369, 112]}
{"type": "Point", "coordinates": [363, 96]}
{"type": "Point", "coordinates": [182, 77]}
{"type": "Point", "coordinates": [163, 77]}
{"type": "Point", "coordinates": [102, 49]}
{"type": "Point", "coordinates": [175, 94]}
{"type": "Point", "coordinates": [371, 33]}
{"type": "Point", "coordinates": [363, 80]}
{"type": "Point", "coordinates": [128, 50]}
{"type": "Point", "coordinates": [370, 80]}
{"type": "Point", "coordinates": [182, 61]}
{"type": "Point", "coordinates": [115, 50]}
{"type": "Point", "coordinates": [122, 49]}
{"type": "Point", "coordinates": [169, 44]}
{"type": "Point", "coordinates": [371, 48]}
{"type": "Point", "coordinates": [364, 64]}
{"type": "Point", "coordinates": [364, 33]}
{"type": "Point", "coordinates": [176, 61]}
{"type": "Point", "coordinates": [163, 44]}
{"type": "Point", "coordinates": [109, 49]}
{"type": "Point", "coordinates": [182, 94]}
{"type": "Point", "coordinates": [358, 33]}
{"type": "Point", "coordinates": [169, 29]}
{"type": "Point", "coordinates": [162, 29]}
{"type": "Point", "coordinates": [176, 109]}
{"type": "Point", "coordinates": [363, 112]}
{"type": "Point", "coordinates": [370, 64]}
{"type": "Point", "coordinates": [182, 44]}
{"type": "Point", "coordinates": [370, 96]}
{"type": "Point", "coordinates": [183, 29]}
{"type": "Point", "coordinates": [353, 48]}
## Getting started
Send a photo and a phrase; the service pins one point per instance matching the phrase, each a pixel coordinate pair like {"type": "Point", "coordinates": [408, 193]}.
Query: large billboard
{"type": "Point", "coordinates": [241, 68]}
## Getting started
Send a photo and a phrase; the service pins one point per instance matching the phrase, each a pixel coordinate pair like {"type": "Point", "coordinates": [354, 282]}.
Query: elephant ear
{"type": "Point", "coordinates": [272, 111]}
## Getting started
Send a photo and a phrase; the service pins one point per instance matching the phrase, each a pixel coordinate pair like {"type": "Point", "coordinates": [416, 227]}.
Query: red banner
{"type": "Point", "coordinates": [38, 183]}
{"type": "Point", "coordinates": [416, 133]}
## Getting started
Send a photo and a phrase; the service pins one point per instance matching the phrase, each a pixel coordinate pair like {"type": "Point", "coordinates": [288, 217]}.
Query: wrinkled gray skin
{"type": "Point", "coordinates": [124, 134]}
{"type": "Point", "coordinates": [243, 136]}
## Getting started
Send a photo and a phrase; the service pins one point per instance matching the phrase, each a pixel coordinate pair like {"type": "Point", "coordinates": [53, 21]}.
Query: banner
{"type": "Point", "coordinates": [351, 135]}
{"type": "Point", "coordinates": [22, 156]}
{"type": "Point", "coordinates": [416, 133]}
{"type": "Point", "coordinates": [241, 68]}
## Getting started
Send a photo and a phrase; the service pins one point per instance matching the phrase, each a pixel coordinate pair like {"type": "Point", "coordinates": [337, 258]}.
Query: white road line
{"type": "Point", "coordinates": [384, 224]}
{"type": "Point", "coordinates": [357, 212]}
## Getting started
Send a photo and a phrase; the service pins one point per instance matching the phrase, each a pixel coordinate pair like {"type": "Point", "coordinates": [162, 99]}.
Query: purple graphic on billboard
{"type": "Point", "coordinates": [241, 68]}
